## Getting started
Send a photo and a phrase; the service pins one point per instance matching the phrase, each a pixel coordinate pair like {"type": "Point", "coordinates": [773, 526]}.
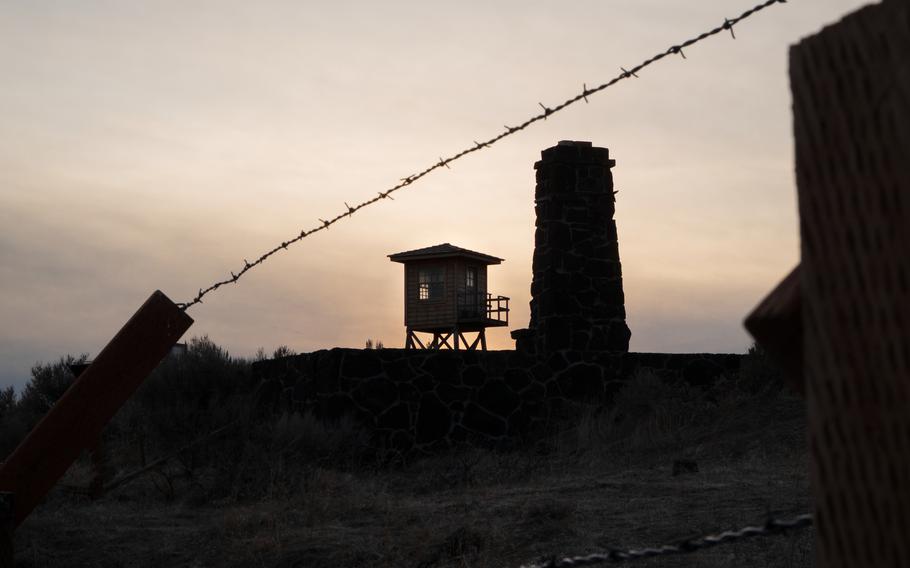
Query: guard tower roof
{"type": "Point", "coordinates": [445, 250]}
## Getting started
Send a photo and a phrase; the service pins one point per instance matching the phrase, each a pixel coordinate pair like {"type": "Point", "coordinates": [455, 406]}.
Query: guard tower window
{"type": "Point", "coordinates": [430, 284]}
{"type": "Point", "coordinates": [470, 280]}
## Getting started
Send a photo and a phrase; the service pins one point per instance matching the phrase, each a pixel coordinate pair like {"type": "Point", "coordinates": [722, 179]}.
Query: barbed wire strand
{"type": "Point", "coordinates": [324, 224]}
{"type": "Point", "coordinates": [771, 527]}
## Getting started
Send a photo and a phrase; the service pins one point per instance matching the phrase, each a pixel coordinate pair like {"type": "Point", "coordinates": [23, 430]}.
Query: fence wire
{"type": "Point", "coordinates": [771, 527]}
{"type": "Point", "coordinates": [509, 131]}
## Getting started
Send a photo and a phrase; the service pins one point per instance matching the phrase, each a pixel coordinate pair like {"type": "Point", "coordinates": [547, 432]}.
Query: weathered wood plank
{"type": "Point", "coordinates": [76, 421]}
{"type": "Point", "coordinates": [851, 103]}
{"type": "Point", "coordinates": [7, 550]}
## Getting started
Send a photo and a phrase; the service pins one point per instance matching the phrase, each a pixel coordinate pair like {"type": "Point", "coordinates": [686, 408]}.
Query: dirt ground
{"type": "Point", "coordinates": [469, 508]}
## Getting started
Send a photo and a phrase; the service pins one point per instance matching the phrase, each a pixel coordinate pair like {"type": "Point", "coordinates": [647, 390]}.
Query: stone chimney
{"type": "Point", "coordinates": [576, 294]}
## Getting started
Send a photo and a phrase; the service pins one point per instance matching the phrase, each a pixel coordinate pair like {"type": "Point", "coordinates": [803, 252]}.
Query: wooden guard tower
{"type": "Point", "coordinates": [445, 293]}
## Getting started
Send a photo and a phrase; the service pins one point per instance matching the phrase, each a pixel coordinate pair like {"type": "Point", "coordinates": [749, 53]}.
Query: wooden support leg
{"type": "Point", "coordinates": [473, 346]}
{"type": "Point", "coordinates": [7, 509]}
{"type": "Point", "coordinates": [483, 339]}
{"type": "Point", "coordinates": [455, 339]}
{"type": "Point", "coordinates": [75, 422]}
{"type": "Point", "coordinates": [413, 341]}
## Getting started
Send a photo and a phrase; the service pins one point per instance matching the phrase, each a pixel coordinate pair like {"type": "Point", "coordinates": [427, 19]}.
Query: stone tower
{"type": "Point", "coordinates": [576, 293]}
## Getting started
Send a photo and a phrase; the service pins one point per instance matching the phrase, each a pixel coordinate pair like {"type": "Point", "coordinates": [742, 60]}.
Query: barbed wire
{"type": "Point", "coordinates": [324, 224]}
{"type": "Point", "coordinates": [771, 527]}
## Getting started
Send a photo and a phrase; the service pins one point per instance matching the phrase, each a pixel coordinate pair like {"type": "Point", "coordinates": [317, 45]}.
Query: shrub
{"type": "Point", "coordinates": [18, 415]}
{"type": "Point", "coordinates": [48, 383]}
{"type": "Point", "coordinates": [186, 396]}
{"type": "Point", "coordinates": [278, 353]}
{"type": "Point", "coordinates": [758, 373]}
{"type": "Point", "coordinates": [647, 413]}
{"type": "Point", "coordinates": [13, 429]}
{"type": "Point", "coordinates": [283, 351]}
{"type": "Point", "coordinates": [7, 401]}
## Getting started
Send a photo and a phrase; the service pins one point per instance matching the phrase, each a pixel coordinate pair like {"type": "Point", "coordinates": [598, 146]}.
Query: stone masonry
{"type": "Point", "coordinates": [577, 298]}
{"type": "Point", "coordinates": [424, 401]}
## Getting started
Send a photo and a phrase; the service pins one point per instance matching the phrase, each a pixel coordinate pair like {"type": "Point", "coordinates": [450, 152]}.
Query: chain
{"type": "Point", "coordinates": [773, 526]}
{"type": "Point", "coordinates": [509, 131]}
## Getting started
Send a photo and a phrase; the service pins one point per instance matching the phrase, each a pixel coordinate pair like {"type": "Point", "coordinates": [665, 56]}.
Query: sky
{"type": "Point", "coordinates": [156, 145]}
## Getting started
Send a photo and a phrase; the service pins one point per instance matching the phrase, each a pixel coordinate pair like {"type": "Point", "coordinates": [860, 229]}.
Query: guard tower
{"type": "Point", "coordinates": [445, 293]}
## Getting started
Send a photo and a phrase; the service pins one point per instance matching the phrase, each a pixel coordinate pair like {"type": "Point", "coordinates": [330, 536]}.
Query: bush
{"type": "Point", "coordinates": [188, 396]}
{"type": "Point", "coordinates": [48, 383]}
{"type": "Point", "coordinates": [185, 397]}
{"type": "Point", "coordinates": [649, 412]}
{"type": "Point", "coordinates": [758, 373]}
{"type": "Point", "coordinates": [274, 455]}
{"type": "Point", "coordinates": [18, 415]}
{"type": "Point", "coordinates": [7, 401]}
{"type": "Point", "coordinates": [13, 429]}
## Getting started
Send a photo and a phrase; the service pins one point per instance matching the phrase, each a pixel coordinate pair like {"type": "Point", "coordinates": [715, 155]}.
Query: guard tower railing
{"type": "Point", "coordinates": [485, 307]}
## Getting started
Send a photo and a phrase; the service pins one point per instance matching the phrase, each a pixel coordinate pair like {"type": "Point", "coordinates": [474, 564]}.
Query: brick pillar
{"type": "Point", "coordinates": [576, 293]}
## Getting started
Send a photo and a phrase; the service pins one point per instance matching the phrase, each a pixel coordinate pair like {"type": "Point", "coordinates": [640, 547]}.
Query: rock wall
{"type": "Point", "coordinates": [424, 401]}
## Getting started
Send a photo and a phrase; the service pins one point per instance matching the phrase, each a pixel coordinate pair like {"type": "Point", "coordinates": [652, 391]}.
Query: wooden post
{"type": "Point", "coordinates": [76, 421]}
{"type": "Point", "coordinates": [851, 105]}
{"type": "Point", "coordinates": [7, 549]}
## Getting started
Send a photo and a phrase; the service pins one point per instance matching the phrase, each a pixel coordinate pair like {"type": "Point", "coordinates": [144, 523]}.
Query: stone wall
{"type": "Point", "coordinates": [424, 401]}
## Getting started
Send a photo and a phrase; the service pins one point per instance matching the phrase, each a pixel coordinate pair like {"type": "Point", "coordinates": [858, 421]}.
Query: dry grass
{"type": "Point", "coordinates": [603, 482]}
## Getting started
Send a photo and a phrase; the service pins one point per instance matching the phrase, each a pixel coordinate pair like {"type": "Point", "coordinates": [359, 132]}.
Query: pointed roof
{"type": "Point", "coordinates": [445, 250]}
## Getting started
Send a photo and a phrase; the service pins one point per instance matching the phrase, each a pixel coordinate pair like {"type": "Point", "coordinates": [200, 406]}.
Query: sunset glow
{"type": "Point", "coordinates": [156, 145]}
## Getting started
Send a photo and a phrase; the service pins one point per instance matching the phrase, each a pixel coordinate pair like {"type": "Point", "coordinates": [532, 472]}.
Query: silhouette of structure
{"type": "Point", "coordinates": [445, 294]}
{"type": "Point", "coordinates": [577, 299]}
{"type": "Point", "coordinates": [429, 397]}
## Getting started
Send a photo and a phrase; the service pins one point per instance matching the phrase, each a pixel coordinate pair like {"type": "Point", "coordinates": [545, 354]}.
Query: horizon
{"type": "Point", "coordinates": [156, 147]}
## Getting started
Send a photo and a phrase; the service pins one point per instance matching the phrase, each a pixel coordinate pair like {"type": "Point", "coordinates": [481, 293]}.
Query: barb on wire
{"type": "Point", "coordinates": [509, 131]}
{"type": "Point", "coordinates": [771, 527]}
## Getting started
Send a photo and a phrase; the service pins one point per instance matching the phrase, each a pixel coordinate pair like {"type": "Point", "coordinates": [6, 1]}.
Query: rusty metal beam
{"type": "Point", "coordinates": [76, 421]}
